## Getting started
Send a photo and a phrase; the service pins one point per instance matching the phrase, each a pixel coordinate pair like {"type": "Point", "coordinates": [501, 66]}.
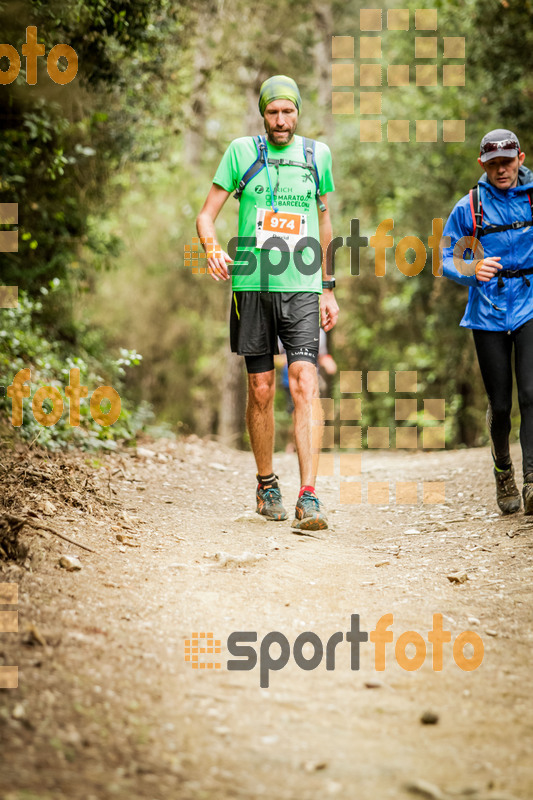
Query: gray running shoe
{"type": "Point", "coordinates": [507, 494]}
{"type": "Point", "coordinates": [527, 493]}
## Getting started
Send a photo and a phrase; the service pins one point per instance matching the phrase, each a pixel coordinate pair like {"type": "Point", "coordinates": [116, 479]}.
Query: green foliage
{"type": "Point", "coordinates": [23, 345]}
{"type": "Point", "coordinates": [110, 171]}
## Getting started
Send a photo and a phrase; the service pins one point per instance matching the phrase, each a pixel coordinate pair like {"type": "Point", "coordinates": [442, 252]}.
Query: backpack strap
{"type": "Point", "coordinates": [477, 214]}
{"type": "Point", "coordinates": [477, 217]}
{"type": "Point", "coordinates": [262, 159]}
{"type": "Point", "coordinates": [254, 168]}
{"type": "Point", "coordinates": [310, 160]}
{"type": "Point", "coordinates": [476, 208]}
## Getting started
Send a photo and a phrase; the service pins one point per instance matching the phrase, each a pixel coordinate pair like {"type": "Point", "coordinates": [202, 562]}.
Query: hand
{"type": "Point", "coordinates": [329, 310]}
{"type": "Point", "coordinates": [487, 268]}
{"type": "Point", "coordinates": [217, 261]}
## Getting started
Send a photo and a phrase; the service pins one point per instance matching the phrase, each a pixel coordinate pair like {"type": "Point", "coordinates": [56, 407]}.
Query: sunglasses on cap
{"type": "Point", "coordinates": [504, 144]}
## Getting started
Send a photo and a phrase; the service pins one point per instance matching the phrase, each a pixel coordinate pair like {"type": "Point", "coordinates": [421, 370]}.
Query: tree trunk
{"type": "Point", "coordinates": [233, 402]}
{"type": "Point", "coordinates": [322, 57]}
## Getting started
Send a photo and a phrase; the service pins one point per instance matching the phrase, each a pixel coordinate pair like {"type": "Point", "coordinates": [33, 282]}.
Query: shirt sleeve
{"type": "Point", "coordinates": [325, 168]}
{"type": "Point", "coordinates": [227, 175]}
{"type": "Point", "coordinates": [458, 226]}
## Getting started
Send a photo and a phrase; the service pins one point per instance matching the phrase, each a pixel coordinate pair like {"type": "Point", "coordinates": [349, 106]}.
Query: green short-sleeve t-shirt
{"type": "Point", "coordinates": [266, 268]}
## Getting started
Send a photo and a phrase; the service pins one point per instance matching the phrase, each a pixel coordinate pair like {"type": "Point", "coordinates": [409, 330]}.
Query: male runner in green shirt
{"type": "Point", "coordinates": [280, 286]}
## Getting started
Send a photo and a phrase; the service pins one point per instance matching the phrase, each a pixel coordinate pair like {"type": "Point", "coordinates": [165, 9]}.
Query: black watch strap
{"type": "Point", "coordinates": [328, 284]}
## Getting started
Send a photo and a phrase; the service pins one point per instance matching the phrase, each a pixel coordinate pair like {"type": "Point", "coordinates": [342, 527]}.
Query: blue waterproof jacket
{"type": "Point", "coordinates": [515, 246]}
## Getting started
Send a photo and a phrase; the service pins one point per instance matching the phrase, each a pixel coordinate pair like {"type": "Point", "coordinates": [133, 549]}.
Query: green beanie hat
{"type": "Point", "coordinates": [279, 87]}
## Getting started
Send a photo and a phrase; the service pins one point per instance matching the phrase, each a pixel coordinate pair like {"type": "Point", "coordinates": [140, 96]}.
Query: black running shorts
{"type": "Point", "coordinates": [258, 318]}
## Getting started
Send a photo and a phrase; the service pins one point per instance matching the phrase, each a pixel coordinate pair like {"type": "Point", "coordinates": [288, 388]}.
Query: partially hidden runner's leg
{"type": "Point", "coordinates": [494, 351]}
{"type": "Point", "coordinates": [524, 381]}
{"type": "Point", "coordinates": [260, 422]}
{"type": "Point", "coordinates": [303, 384]}
{"type": "Point", "coordinates": [298, 328]}
{"type": "Point", "coordinates": [260, 418]}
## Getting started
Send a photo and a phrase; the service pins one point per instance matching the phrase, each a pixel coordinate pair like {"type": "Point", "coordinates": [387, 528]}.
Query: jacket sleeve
{"type": "Point", "coordinates": [458, 225]}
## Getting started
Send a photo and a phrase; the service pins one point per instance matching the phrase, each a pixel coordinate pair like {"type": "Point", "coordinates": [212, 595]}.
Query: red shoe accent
{"type": "Point", "coordinates": [306, 489]}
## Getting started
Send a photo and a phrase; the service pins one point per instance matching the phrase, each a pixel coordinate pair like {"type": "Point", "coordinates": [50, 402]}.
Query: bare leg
{"type": "Point", "coordinates": [260, 418]}
{"type": "Point", "coordinates": [303, 383]}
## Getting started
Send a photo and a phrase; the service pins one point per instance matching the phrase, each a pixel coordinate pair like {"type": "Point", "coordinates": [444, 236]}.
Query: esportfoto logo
{"type": "Point", "coordinates": [247, 657]}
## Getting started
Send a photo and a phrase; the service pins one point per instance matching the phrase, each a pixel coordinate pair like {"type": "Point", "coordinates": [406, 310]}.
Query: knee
{"type": "Point", "coordinates": [500, 410]}
{"type": "Point", "coordinates": [525, 397]}
{"type": "Point", "coordinates": [261, 390]}
{"type": "Point", "coordinates": [303, 385]}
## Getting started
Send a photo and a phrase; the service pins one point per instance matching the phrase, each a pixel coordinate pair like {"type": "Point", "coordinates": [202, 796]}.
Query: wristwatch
{"type": "Point", "coordinates": [328, 284]}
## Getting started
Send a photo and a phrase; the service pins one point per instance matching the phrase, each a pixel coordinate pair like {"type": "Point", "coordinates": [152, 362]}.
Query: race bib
{"type": "Point", "coordinates": [282, 225]}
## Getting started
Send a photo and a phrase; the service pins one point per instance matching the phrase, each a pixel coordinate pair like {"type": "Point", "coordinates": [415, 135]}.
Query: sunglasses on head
{"type": "Point", "coordinates": [505, 144]}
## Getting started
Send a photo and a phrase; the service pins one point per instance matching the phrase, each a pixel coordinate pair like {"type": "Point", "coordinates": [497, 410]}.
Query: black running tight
{"type": "Point", "coordinates": [494, 352]}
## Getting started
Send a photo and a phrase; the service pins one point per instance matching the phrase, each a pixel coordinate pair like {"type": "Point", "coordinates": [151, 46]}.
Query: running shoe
{"type": "Point", "coordinates": [527, 494]}
{"type": "Point", "coordinates": [308, 514]}
{"type": "Point", "coordinates": [269, 502]}
{"type": "Point", "coordinates": [507, 494]}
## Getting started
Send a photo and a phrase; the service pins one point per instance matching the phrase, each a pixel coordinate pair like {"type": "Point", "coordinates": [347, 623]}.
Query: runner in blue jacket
{"type": "Point", "coordinates": [499, 213]}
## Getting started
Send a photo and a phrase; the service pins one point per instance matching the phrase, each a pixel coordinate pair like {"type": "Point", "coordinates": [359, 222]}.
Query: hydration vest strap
{"type": "Point", "coordinates": [309, 155]}
{"type": "Point", "coordinates": [262, 160]}
{"type": "Point", "coordinates": [476, 208]}
{"type": "Point", "coordinates": [255, 168]}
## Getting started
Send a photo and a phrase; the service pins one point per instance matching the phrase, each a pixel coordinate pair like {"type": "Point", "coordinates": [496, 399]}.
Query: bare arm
{"type": "Point", "coordinates": [329, 310]}
{"type": "Point", "coordinates": [217, 259]}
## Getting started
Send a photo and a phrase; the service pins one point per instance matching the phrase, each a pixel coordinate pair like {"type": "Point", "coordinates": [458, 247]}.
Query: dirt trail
{"type": "Point", "coordinates": [107, 707]}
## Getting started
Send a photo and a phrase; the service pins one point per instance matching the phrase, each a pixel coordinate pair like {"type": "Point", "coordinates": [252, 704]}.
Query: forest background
{"type": "Point", "coordinates": [110, 170]}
